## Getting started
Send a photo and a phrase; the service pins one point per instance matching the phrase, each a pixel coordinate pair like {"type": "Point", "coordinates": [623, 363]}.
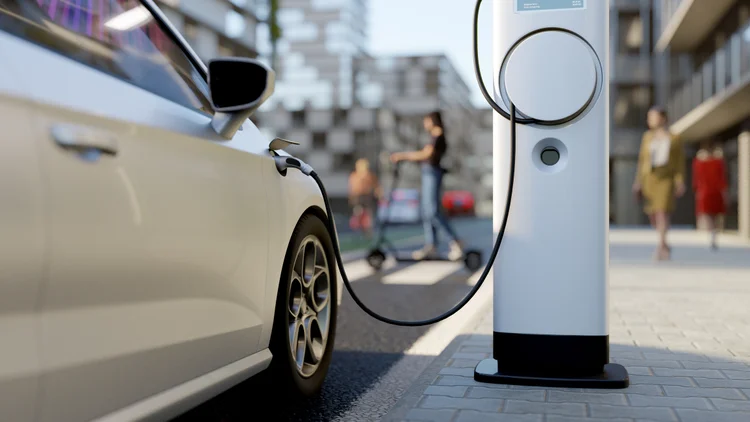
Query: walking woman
{"type": "Point", "coordinates": [660, 176]}
{"type": "Point", "coordinates": [710, 186]}
{"type": "Point", "coordinates": [432, 182]}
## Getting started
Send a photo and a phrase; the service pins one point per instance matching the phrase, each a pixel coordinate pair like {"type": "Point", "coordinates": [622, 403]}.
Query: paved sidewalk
{"type": "Point", "coordinates": [681, 328]}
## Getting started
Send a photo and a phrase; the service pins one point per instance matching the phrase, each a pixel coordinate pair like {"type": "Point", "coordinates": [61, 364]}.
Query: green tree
{"type": "Point", "coordinates": [274, 29]}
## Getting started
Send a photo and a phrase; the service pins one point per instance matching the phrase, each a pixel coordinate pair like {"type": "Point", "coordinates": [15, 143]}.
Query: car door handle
{"type": "Point", "coordinates": [77, 138]}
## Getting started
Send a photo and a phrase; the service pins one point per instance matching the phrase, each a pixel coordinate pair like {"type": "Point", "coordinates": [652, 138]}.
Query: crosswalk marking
{"type": "Point", "coordinates": [423, 273]}
{"type": "Point", "coordinates": [475, 277]}
{"type": "Point", "coordinates": [357, 270]}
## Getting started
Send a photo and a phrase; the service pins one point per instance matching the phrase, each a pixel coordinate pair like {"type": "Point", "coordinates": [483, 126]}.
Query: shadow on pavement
{"type": "Point", "coordinates": [698, 387]}
{"type": "Point", "coordinates": [254, 401]}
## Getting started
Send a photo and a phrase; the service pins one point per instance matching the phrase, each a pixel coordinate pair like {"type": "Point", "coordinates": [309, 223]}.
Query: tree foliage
{"type": "Point", "coordinates": [274, 29]}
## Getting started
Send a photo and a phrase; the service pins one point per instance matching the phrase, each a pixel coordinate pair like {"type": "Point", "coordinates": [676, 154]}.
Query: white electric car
{"type": "Point", "coordinates": [151, 254]}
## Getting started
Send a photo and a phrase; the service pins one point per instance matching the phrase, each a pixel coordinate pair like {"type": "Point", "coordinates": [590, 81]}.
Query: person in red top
{"type": "Point", "coordinates": [710, 186]}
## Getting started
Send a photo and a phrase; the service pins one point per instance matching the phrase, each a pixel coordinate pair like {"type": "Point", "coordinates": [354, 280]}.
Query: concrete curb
{"type": "Point", "coordinates": [411, 397]}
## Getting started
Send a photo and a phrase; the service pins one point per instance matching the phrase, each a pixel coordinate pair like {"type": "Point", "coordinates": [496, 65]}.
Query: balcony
{"type": "Point", "coordinates": [633, 5]}
{"type": "Point", "coordinates": [630, 68]}
{"type": "Point", "coordinates": [718, 95]}
{"type": "Point", "coordinates": [685, 23]}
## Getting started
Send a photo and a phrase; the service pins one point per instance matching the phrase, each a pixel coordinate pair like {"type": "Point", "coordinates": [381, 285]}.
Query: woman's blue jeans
{"type": "Point", "coordinates": [432, 217]}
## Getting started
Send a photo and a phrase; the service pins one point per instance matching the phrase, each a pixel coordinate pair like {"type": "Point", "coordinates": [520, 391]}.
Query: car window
{"type": "Point", "coordinates": [119, 37]}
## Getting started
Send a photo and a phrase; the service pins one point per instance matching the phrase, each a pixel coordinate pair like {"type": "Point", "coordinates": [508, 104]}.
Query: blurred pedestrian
{"type": "Point", "coordinates": [710, 186]}
{"type": "Point", "coordinates": [364, 192]}
{"type": "Point", "coordinates": [660, 176]}
{"type": "Point", "coordinates": [430, 157]}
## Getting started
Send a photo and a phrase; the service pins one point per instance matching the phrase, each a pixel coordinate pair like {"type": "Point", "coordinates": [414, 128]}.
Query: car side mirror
{"type": "Point", "coordinates": [238, 87]}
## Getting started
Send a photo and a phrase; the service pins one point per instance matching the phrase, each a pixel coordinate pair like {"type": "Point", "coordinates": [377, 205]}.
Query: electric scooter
{"type": "Point", "coordinates": [472, 258]}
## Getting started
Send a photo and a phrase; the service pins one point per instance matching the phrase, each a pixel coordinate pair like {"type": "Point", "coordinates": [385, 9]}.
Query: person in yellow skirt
{"type": "Point", "coordinates": [660, 177]}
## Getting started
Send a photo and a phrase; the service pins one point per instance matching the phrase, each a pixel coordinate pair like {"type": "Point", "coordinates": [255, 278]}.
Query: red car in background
{"type": "Point", "coordinates": [458, 202]}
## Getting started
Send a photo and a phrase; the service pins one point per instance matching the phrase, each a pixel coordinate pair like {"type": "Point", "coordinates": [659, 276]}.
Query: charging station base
{"type": "Point", "coordinates": [614, 376]}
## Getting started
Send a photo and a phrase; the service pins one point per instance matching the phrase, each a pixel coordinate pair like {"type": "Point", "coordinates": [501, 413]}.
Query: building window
{"type": "Point", "coordinates": [432, 82]}
{"type": "Point", "coordinates": [631, 103]}
{"type": "Point", "coordinates": [230, 48]}
{"type": "Point", "coordinates": [360, 137]}
{"type": "Point", "coordinates": [319, 140]}
{"type": "Point", "coordinates": [630, 36]}
{"type": "Point", "coordinates": [224, 50]}
{"type": "Point", "coordinates": [298, 118]}
{"type": "Point", "coordinates": [190, 30]}
{"type": "Point", "coordinates": [401, 82]}
{"type": "Point", "coordinates": [343, 161]}
{"type": "Point", "coordinates": [340, 117]}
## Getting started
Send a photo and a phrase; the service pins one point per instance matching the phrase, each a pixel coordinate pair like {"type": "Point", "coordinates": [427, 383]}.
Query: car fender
{"type": "Point", "coordinates": [289, 198]}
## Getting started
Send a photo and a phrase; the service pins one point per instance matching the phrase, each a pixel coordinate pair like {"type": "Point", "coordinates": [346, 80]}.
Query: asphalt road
{"type": "Point", "coordinates": [365, 349]}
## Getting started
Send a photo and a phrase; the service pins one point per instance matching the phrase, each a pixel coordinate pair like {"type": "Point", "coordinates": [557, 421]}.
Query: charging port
{"type": "Point", "coordinates": [550, 156]}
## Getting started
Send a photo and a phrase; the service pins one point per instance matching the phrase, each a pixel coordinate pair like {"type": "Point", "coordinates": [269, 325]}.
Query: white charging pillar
{"type": "Point", "coordinates": [551, 61]}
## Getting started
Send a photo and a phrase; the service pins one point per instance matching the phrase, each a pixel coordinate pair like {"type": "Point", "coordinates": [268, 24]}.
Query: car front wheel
{"type": "Point", "coordinates": [305, 320]}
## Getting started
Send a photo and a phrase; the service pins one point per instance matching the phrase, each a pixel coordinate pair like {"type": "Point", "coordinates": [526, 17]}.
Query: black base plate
{"type": "Point", "coordinates": [615, 376]}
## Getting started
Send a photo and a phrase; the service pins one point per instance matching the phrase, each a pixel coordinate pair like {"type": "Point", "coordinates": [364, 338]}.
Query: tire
{"type": "Point", "coordinates": [306, 380]}
{"type": "Point", "coordinates": [375, 259]}
{"type": "Point", "coordinates": [473, 260]}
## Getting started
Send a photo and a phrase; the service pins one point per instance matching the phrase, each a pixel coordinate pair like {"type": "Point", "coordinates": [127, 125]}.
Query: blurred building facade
{"type": "Point", "coordinates": [342, 104]}
{"type": "Point", "coordinates": [390, 98]}
{"type": "Point", "coordinates": [313, 102]}
{"type": "Point", "coordinates": [316, 53]}
{"type": "Point", "coordinates": [632, 92]}
{"type": "Point", "coordinates": [331, 140]}
{"type": "Point", "coordinates": [409, 87]}
{"type": "Point", "coordinates": [215, 27]}
{"type": "Point", "coordinates": [705, 50]}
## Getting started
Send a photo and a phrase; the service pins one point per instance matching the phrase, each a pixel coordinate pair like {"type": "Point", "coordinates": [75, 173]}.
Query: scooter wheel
{"type": "Point", "coordinates": [376, 258]}
{"type": "Point", "coordinates": [473, 260]}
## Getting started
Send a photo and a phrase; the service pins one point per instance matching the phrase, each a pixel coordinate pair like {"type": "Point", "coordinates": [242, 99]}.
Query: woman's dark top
{"type": "Point", "coordinates": [439, 147]}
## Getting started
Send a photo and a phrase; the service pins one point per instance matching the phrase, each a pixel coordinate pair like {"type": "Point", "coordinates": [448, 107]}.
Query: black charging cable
{"type": "Point", "coordinates": [474, 289]}
{"type": "Point", "coordinates": [284, 162]}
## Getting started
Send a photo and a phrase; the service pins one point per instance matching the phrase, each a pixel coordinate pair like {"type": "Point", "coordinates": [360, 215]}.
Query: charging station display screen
{"type": "Point", "coordinates": [549, 5]}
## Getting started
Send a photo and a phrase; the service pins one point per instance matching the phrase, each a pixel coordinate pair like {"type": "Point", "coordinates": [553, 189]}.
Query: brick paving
{"type": "Point", "coordinates": [681, 328]}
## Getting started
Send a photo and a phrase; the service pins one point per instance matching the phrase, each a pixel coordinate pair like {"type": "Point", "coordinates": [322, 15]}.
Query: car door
{"type": "Point", "coordinates": [21, 246]}
{"type": "Point", "coordinates": [156, 255]}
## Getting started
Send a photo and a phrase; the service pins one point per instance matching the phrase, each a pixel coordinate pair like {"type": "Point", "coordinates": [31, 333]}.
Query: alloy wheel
{"type": "Point", "coordinates": [309, 306]}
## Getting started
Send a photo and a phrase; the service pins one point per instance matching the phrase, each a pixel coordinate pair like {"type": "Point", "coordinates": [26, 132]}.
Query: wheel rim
{"type": "Point", "coordinates": [309, 306]}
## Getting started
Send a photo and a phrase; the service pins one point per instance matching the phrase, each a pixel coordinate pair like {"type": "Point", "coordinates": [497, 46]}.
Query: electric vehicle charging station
{"type": "Point", "coordinates": [550, 62]}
